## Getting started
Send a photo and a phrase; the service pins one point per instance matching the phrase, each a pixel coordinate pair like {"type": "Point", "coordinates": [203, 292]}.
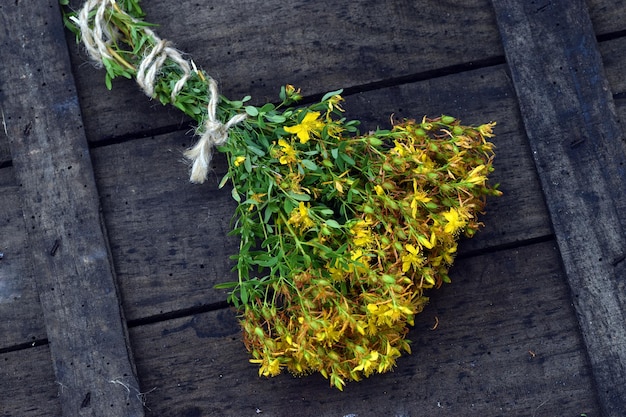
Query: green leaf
{"type": "Point", "coordinates": [267, 107]}
{"type": "Point", "coordinates": [298, 196]}
{"type": "Point", "coordinates": [226, 285]}
{"type": "Point", "coordinates": [276, 118]}
{"type": "Point", "coordinates": [247, 164]}
{"type": "Point", "coordinates": [107, 81]}
{"type": "Point", "coordinates": [256, 150]}
{"type": "Point", "coordinates": [310, 165]}
{"type": "Point", "coordinates": [224, 180]}
{"type": "Point", "coordinates": [331, 93]}
{"type": "Point", "coordinates": [348, 159]}
{"type": "Point", "coordinates": [252, 111]}
{"type": "Point", "coordinates": [236, 195]}
{"type": "Point", "coordinates": [266, 261]}
{"type": "Point", "coordinates": [333, 224]}
{"type": "Point", "coordinates": [244, 294]}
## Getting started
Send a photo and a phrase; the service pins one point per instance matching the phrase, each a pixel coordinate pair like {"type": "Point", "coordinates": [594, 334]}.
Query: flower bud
{"type": "Point", "coordinates": [447, 119]}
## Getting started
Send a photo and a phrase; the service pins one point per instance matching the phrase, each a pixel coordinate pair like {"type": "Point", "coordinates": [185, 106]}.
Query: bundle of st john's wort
{"type": "Point", "coordinates": [341, 232]}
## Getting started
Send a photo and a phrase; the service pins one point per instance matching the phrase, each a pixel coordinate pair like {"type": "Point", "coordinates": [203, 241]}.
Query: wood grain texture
{"type": "Point", "coordinates": [169, 238]}
{"type": "Point", "coordinates": [21, 315]}
{"type": "Point", "coordinates": [577, 143]}
{"type": "Point", "coordinates": [67, 248]}
{"type": "Point", "coordinates": [614, 60]}
{"type": "Point", "coordinates": [28, 384]}
{"type": "Point", "coordinates": [506, 344]}
{"type": "Point", "coordinates": [607, 16]}
{"type": "Point", "coordinates": [252, 48]}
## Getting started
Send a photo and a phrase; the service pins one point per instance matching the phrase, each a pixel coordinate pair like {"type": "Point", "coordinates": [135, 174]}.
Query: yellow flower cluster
{"type": "Point", "coordinates": [350, 232]}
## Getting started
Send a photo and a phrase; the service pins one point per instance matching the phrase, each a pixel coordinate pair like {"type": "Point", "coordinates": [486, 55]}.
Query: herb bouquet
{"type": "Point", "coordinates": [341, 232]}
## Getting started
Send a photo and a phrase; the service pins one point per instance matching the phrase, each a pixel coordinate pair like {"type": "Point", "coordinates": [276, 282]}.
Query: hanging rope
{"type": "Point", "coordinates": [97, 35]}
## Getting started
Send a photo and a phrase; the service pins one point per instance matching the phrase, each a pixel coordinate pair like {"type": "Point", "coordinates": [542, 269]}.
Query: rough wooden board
{"type": "Point", "coordinates": [577, 143]}
{"type": "Point", "coordinates": [60, 205]}
{"type": "Point", "coordinates": [5, 154]}
{"type": "Point", "coordinates": [21, 315]}
{"type": "Point", "coordinates": [607, 16]}
{"type": "Point", "coordinates": [614, 60]}
{"type": "Point", "coordinates": [252, 48]}
{"type": "Point", "coordinates": [507, 344]}
{"type": "Point", "coordinates": [27, 384]}
{"type": "Point", "coordinates": [620, 107]}
{"type": "Point", "coordinates": [168, 237]}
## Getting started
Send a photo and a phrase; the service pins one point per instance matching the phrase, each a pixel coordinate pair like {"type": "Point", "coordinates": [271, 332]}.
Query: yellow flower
{"type": "Point", "coordinates": [379, 190]}
{"type": "Point", "coordinates": [268, 367]}
{"type": "Point", "coordinates": [411, 258]}
{"type": "Point", "coordinates": [429, 244]}
{"type": "Point", "coordinates": [388, 360]}
{"type": "Point", "coordinates": [289, 153]}
{"type": "Point", "coordinates": [368, 363]}
{"type": "Point", "coordinates": [309, 125]}
{"type": "Point", "coordinates": [487, 129]}
{"type": "Point", "coordinates": [300, 217]}
{"type": "Point", "coordinates": [455, 221]}
{"type": "Point", "coordinates": [329, 334]}
{"type": "Point", "coordinates": [292, 93]}
{"type": "Point", "coordinates": [239, 160]}
{"type": "Point", "coordinates": [333, 103]}
{"type": "Point", "coordinates": [361, 233]}
{"type": "Point", "coordinates": [334, 130]}
{"type": "Point", "coordinates": [419, 196]}
{"type": "Point", "coordinates": [475, 177]}
{"type": "Point", "coordinates": [360, 261]}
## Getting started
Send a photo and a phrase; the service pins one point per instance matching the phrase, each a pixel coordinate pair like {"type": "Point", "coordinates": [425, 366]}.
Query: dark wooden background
{"type": "Point", "coordinates": [533, 323]}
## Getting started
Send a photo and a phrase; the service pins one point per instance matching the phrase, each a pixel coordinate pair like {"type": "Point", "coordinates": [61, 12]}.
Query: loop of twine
{"type": "Point", "coordinates": [97, 37]}
{"type": "Point", "coordinates": [215, 134]}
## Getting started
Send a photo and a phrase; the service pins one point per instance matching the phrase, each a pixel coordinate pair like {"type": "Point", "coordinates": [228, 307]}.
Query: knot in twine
{"type": "Point", "coordinates": [215, 134]}
{"type": "Point", "coordinates": [97, 38]}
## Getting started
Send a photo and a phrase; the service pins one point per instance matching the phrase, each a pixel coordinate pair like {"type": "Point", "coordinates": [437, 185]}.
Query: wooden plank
{"type": "Point", "coordinates": [27, 384]}
{"type": "Point", "coordinates": [607, 16]}
{"type": "Point", "coordinates": [68, 250]}
{"type": "Point", "coordinates": [22, 318]}
{"type": "Point", "coordinates": [177, 266]}
{"type": "Point", "coordinates": [504, 345]}
{"type": "Point", "coordinates": [614, 60]}
{"type": "Point", "coordinates": [254, 47]}
{"type": "Point", "coordinates": [579, 151]}
{"type": "Point", "coordinates": [168, 237]}
{"type": "Point", "coordinates": [5, 153]}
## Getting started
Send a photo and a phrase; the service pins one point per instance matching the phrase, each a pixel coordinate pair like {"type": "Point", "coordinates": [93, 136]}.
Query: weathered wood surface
{"type": "Point", "coordinates": [28, 384]}
{"type": "Point", "coordinates": [578, 145]}
{"type": "Point", "coordinates": [614, 60]}
{"type": "Point", "coordinates": [607, 16]}
{"type": "Point", "coordinates": [501, 348]}
{"type": "Point", "coordinates": [20, 312]}
{"type": "Point", "coordinates": [68, 253]}
{"type": "Point", "coordinates": [165, 256]}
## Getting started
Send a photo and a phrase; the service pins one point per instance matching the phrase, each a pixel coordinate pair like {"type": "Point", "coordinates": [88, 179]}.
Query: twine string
{"type": "Point", "coordinates": [97, 34]}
